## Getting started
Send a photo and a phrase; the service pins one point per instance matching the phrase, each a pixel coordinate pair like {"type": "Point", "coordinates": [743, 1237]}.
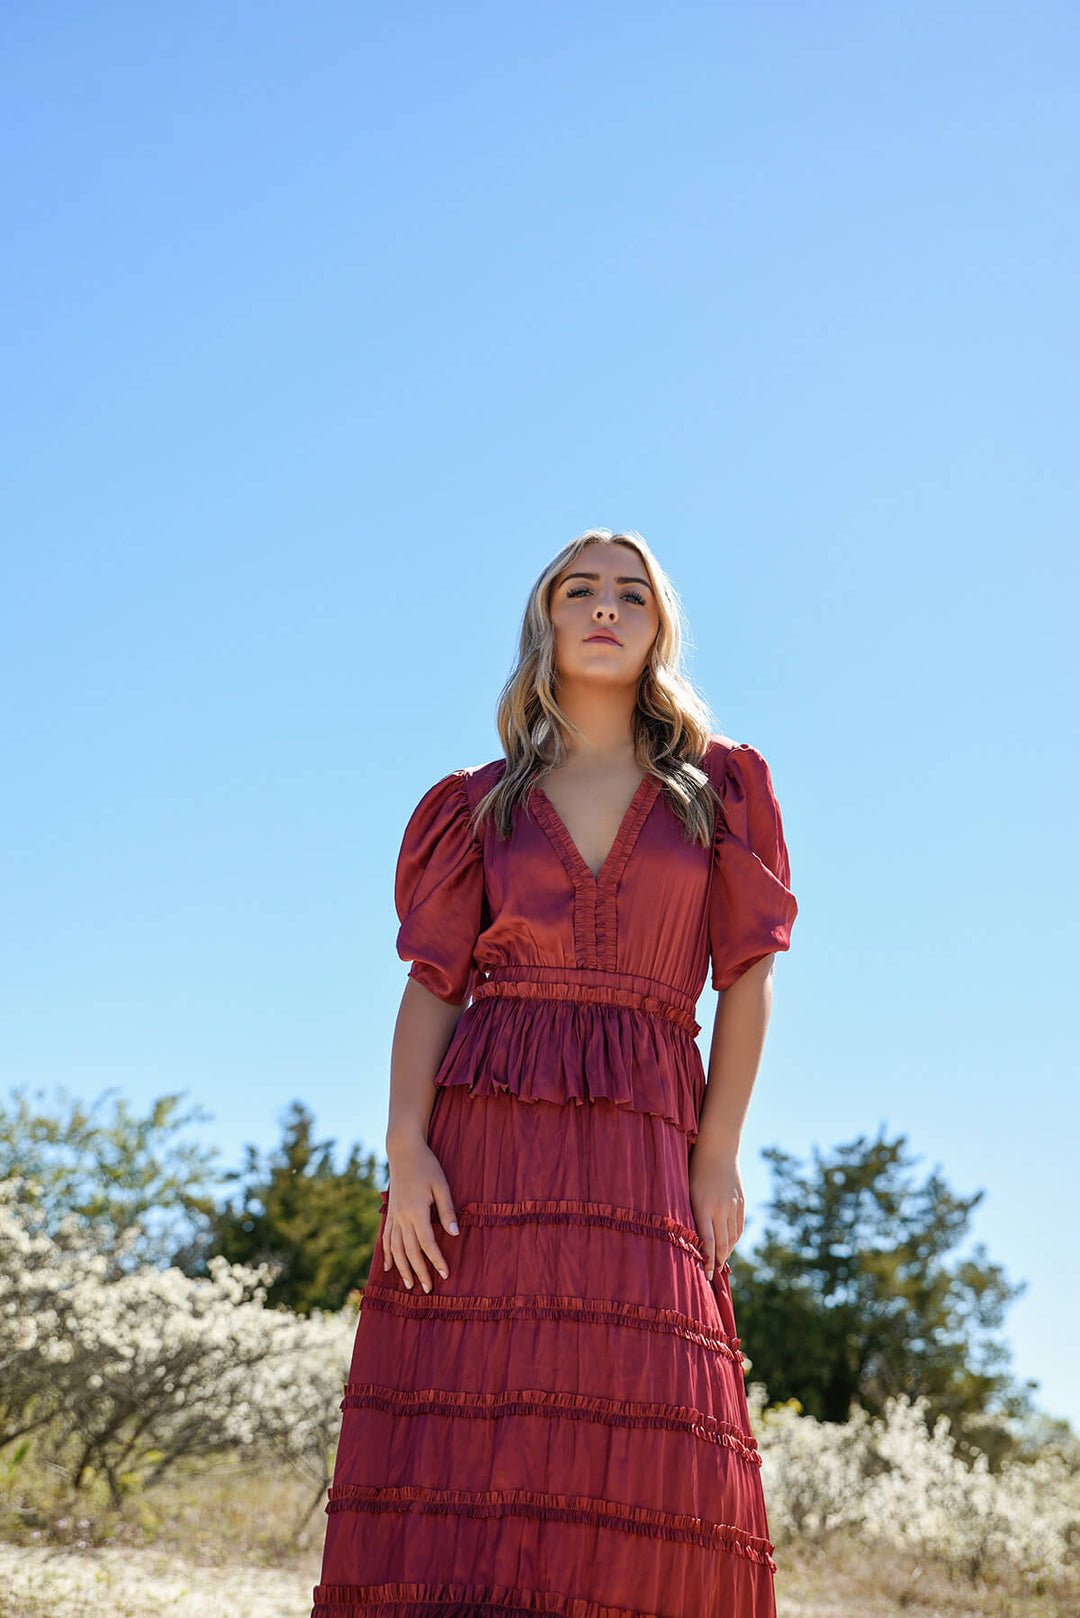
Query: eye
{"type": "Point", "coordinates": [583, 589]}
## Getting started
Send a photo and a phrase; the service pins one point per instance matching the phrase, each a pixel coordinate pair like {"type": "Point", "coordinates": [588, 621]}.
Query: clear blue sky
{"type": "Point", "coordinates": [326, 326]}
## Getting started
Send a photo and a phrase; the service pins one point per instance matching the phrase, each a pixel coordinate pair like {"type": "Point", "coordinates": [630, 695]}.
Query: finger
{"type": "Point", "coordinates": [708, 1241]}
{"type": "Point", "coordinates": [426, 1236]}
{"type": "Point", "coordinates": [416, 1257]}
{"type": "Point", "coordinates": [397, 1248]}
{"type": "Point", "coordinates": [445, 1207]}
{"type": "Point", "coordinates": [431, 1248]}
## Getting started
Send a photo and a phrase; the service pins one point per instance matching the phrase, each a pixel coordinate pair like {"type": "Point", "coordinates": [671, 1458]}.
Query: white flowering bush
{"type": "Point", "coordinates": [125, 1374]}
{"type": "Point", "coordinates": [891, 1479]}
{"type": "Point", "coordinates": [119, 1374]}
{"type": "Point", "coordinates": [812, 1471]}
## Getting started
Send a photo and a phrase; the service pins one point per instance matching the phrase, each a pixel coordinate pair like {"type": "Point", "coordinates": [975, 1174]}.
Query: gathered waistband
{"type": "Point", "coordinates": [592, 986]}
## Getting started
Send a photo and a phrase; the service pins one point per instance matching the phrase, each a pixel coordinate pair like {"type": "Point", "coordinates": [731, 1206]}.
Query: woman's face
{"type": "Point", "coordinates": [604, 592]}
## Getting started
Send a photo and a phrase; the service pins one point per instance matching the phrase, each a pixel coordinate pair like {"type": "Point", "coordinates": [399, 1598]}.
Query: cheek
{"type": "Point", "coordinates": [568, 621]}
{"type": "Point", "coordinates": [562, 632]}
{"type": "Point", "coordinates": [567, 639]}
{"type": "Point", "coordinates": [641, 642]}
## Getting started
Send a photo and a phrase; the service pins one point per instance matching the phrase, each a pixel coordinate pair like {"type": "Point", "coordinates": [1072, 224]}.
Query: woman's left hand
{"type": "Point", "coordinates": [716, 1196]}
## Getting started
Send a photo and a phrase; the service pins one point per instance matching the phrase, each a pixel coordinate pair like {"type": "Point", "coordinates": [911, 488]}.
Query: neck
{"type": "Point", "coordinates": [604, 718]}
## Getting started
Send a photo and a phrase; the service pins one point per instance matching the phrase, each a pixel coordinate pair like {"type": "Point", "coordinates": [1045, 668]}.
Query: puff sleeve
{"type": "Point", "coordinates": [751, 905]}
{"type": "Point", "coordinates": [439, 891]}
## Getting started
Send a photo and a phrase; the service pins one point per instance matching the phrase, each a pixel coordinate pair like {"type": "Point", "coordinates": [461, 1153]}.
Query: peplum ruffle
{"type": "Point", "coordinates": [538, 1046]}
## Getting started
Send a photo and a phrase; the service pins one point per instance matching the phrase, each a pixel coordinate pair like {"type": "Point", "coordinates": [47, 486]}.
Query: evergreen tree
{"type": "Point", "coordinates": [315, 1223]}
{"type": "Point", "coordinates": [849, 1295]}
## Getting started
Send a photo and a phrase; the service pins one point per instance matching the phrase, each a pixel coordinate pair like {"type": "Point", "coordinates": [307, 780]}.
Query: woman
{"type": "Point", "coordinates": [546, 1412]}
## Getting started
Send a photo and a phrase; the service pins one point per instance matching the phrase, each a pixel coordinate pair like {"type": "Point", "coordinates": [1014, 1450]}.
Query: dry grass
{"type": "Point", "coordinates": [225, 1544]}
{"type": "Point", "coordinates": [845, 1579]}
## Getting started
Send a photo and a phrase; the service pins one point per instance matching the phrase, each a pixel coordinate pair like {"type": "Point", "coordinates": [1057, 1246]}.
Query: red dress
{"type": "Point", "coordinates": [561, 1426]}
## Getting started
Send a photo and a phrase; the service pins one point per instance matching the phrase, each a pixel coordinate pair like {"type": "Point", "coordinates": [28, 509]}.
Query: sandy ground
{"type": "Point", "coordinates": [126, 1583]}
{"type": "Point", "coordinates": [40, 1582]}
{"type": "Point", "coordinates": [130, 1583]}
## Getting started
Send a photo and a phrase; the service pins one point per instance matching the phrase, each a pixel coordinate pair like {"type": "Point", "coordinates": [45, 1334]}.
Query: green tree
{"type": "Point", "coordinates": [315, 1223]}
{"type": "Point", "coordinates": [849, 1295]}
{"type": "Point", "coordinates": [110, 1169]}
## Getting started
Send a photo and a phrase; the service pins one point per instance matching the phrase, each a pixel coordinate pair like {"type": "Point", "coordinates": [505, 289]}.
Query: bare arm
{"type": "Point", "coordinates": [425, 1025]}
{"type": "Point", "coordinates": [738, 1040]}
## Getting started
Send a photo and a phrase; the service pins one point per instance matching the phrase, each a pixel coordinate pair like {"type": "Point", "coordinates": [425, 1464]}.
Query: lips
{"type": "Point", "coordinates": [610, 639]}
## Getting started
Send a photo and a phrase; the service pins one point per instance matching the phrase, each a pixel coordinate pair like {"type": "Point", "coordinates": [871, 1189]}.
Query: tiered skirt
{"type": "Point", "coordinates": [561, 1426]}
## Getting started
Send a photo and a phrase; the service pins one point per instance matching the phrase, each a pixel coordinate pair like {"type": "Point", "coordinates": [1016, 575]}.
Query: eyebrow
{"type": "Point", "coordinates": [619, 579]}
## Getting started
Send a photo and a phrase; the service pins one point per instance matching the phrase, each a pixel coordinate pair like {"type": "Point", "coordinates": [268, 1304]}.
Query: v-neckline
{"type": "Point", "coordinates": [619, 852]}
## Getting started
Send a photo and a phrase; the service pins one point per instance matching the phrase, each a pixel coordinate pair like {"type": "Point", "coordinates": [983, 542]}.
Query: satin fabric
{"type": "Point", "coordinates": [561, 1425]}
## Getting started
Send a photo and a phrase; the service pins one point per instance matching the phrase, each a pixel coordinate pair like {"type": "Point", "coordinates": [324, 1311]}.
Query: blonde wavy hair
{"type": "Point", "coordinates": [671, 720]}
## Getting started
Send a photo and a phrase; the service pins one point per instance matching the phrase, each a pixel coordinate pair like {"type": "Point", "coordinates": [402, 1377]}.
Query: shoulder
{"type": "Point", "coordinates": [484, 775]}
{"type": "Point", "coordinates": [453, 797]}
{"type": "Point", "coordinates": [725, 758]}
{"type": "Point", "coordinates": [743, 782]}
{"type": "Point", "coordinates": [439, 827]}
{"type": "Point", "coordinates": [478, 779]}
{"type": "Point", "coordinates": [466, 780]}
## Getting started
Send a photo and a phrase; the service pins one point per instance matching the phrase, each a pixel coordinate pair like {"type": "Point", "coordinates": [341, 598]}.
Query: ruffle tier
{"type": "Point", "coordinates": [469, 1601]}
{"type": "Point", "coordinates": [569, 1403]}
{"type": "Point", "coordinates": [540, 1402]}
{"type": "Point", "coordinates": [536, 1046]}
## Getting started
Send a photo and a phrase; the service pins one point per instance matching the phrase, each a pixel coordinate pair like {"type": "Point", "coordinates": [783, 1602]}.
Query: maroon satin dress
{"type": "Point", "coordinates": [561, 1426]}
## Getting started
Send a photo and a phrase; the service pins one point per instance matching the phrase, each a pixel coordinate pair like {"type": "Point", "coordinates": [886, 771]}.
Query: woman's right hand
{"type": "Point", "coordinates": [416, 1181]}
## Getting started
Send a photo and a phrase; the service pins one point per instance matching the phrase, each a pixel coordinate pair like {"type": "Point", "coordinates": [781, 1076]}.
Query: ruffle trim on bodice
{"type": "Point", "coordinates": [573, 1041]}
{"type": "Point", "coordinates": [603, 993]}
{"type": "Point", "coordinates": [596, 895]}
